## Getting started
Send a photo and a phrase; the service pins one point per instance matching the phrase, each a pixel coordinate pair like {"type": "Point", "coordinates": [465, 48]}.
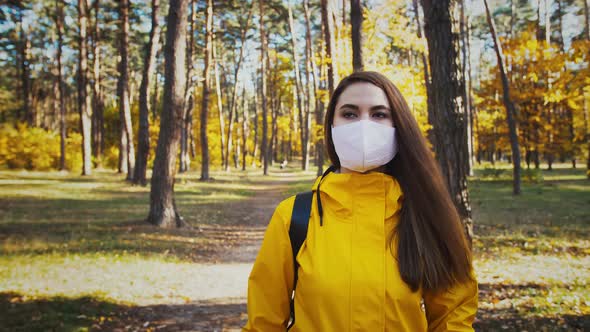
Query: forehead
{"type": "Point", "coordinates": [362, 93]}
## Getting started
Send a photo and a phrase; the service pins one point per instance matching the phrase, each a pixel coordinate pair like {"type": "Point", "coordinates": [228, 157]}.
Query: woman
{"type": "Point", "coordinates": [385, 250]}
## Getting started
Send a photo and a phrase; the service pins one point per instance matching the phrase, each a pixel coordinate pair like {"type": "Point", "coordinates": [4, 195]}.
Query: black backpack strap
{"type": "Point", "coordinates": [297, 234]}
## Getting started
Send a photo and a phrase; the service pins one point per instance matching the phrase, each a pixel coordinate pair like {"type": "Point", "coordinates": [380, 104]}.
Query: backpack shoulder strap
{"type": "Point", "coordinates": [298, 233]}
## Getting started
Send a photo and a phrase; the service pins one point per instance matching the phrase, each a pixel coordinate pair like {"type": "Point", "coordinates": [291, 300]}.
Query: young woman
{"type": "Point", "coordinates": [385, 249]}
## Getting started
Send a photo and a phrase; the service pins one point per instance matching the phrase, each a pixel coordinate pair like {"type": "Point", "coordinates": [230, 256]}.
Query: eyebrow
{"type": "Point", "coordinates": [373, 108]}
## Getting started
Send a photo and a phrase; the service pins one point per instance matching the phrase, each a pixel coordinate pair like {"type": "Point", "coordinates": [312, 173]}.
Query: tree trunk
{"type": "Point", "coordinates": [127, 151]}
{"type": "Point", "coordinates": [206, 92]}
{"type": "Point", "coordinates": [149, 65]}
{"type": "Point", "coordinates": [356, 21]}
{"type": "Point", "coordinates": [59, 19]}
{"type": "Point", "coordinates": [232, 105]}
{"type": "Point", "coordinates": [466, 72]}
{"type": "Point", "coordinates": [98, 100]}
{"type": "Point", "coordinates": [263, 56]}
{"type": "Point", "coordinates": [187, 123]}
{"type": "Point", "coordinates": [313, 87]}
{"type": "Point", "coordinates": [245, 129]}
{"type": "Point", "coordinates": [328, 29]}
{"type": "Point", "coordinates": [163, 211]}
{"type": "Point", "coordinates": [83, 96]}
{"type": "Point", "coordinates": [510, 110]}
{"type": "Point", "coordinates": [431, 135]}
{"type": "Point", "coordinates": [219, 94]}
{"type": "Point", "coordinates": [449, 125]}
{"type": "Point", "coordinates": [25, 72]}
{"type": "Point", "coordinates": [298, 82]}
{"type": "Point", "coordinates": [255, 152]}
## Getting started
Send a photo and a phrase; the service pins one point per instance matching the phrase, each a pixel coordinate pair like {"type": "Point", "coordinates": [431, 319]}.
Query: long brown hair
{"type": "Point", "coordinates": [432, 249]}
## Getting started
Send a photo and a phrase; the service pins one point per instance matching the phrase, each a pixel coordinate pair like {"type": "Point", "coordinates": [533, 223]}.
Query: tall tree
{"type": "Point", "coordinates": [98, 98]}
{"type": "Point", "coordinates": [310, 86]}
{"type": "Point", "coordinates": [219, 94]}
{"type": "Point", "coordinates": [466, 73]}
{"type": "Point", "coordinates": [356, 22]}
{"type": "Point", "coordinates": [328, 45]}
{"type": "Point", "coordinates": [127, 150]}
{"type": "Point", "coordinates": [206, 92]}
{"type": "Point", "coordinates": [185, 159]}
{"type": "Point", "coordinates": [298, 80]}
{"type": "Point", "coordinates": [83, 96]}
{"type": "Point", "coordinates": [328, 28]}
{"type": "Point", "coordinates": [59, 21]}
{"type": "Point", "coordinates": [149, 65]}
{"type": "Point", "coordinates": [449, 123]}
{"type": "Point", "coordinates": [510, 110]}
{"type": "Point", "coordinates": [263, 55]}
{"type": "Point", "coordinates": [232, 106]}
{"type": "Point", "coordinates": [163, 211]}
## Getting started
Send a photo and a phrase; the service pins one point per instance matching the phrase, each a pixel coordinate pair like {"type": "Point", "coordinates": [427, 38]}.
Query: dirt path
{"type": "Point", "coordinates": [222, 294]}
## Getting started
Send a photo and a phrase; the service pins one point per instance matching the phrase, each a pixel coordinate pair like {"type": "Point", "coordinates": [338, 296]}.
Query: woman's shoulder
{"type": "Point", "coordinates": [284, 209]}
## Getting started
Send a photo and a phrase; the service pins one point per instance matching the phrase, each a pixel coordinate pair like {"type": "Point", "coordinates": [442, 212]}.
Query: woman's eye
{"type": "Point", "coordinates": [380, 115]}
{"type": "Point", "coordinates": [349, 115]}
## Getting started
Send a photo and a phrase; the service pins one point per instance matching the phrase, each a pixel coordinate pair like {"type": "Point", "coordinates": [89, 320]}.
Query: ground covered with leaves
{"type": "Point", "coordinates": [76, 255]}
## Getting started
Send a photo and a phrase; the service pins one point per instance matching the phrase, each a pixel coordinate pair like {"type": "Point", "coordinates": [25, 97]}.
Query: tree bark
{"type": "Point", "coordinates": [245, 128]}
{"type": "Point", "coordinates": [149, 65]}
{"type": "Point", "coordinates": [298, 85]}
{"type": "Point", "coordinates": [163, 211]}
{"type": "Point", "coordinates": [232, 105]}
{"type": "Point", "coordinates": [83, 96]}
{"type": "Point", "coordinates": [59, 19]}
{"type": "Point", "coordinates": [263, 55]}
{"type": "Point", "coordinates": [449, 125]}
{"type": "Point", "coordinates": [328, 35]}
{"type": "Point", "coordinates": [219, 94]}
{"type": "Point", "coordinates": [313, 86]}
{"type": "Point", "coordinates": [356, 21]}
{"type": "Point", "coordinates": [510, 109]}
{"type": "Point", "coordinates": [185, 159]}
{"type": "Point", "coordinates": [127, 152]}
{"type": "Point", "coordinates": [98, 99]}
{"type": "Point", "coordinates": [206, 92]}
{"type": "Point", "coordinates": [430, 109]}
{"type": "Point", "coordinates": [466, 73]}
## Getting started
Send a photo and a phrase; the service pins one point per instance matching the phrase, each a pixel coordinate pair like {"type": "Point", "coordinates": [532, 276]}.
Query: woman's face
{"type": "Point", "coordinates": [362, 101]}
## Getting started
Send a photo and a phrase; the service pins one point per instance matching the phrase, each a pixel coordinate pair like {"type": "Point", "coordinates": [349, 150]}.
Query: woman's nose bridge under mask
{"type": "Point", "coordinates": [365, 144]}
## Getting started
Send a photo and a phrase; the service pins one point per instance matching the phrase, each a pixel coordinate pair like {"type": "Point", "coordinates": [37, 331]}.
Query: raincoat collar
{"type": "Point", "coordinates": [344, 188]}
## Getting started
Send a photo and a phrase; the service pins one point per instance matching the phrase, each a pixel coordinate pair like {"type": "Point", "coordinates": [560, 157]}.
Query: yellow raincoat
{"type": "Point", "coordinates": [348, 279]}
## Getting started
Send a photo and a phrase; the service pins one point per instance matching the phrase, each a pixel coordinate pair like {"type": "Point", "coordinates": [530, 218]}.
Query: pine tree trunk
{"type": "Point", "coordinates": [187, 124]}
{"type": "Point", "coordinates": [245, 129]}
{"type": "Point", "coordinates": [263, 57]}
{"type": "Point", "coordinates": [127, 152]}
{"type": "Point", "coordinates": [449, 125]}
{"type": "Point", "coordinates": [83, 96]}
{"type": "Point", "coordinates": [328, 29]}
{"type": "Point", "coordinates": [163, 211]}
{"type": "Point", "coordinates": [356, 21]}
{"type": "Point", "coordinates": [510, 110]}
{"type": "Point", "coordinates": [149, 65]}
{"type": "Point", "coordinates": [219, 94]}
{"type": "Point", "coordinates": [206, 93]}
{"type": "Point", "coordinates": [430, 109]}
{"type": "Point", "coordinates": [59, 19]}
{"type": "Point", "coordinates": [98, 101]}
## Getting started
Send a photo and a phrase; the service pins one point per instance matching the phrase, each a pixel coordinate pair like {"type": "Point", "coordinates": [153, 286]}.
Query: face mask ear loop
{"type": "Point", "coordinates": [319, 201]}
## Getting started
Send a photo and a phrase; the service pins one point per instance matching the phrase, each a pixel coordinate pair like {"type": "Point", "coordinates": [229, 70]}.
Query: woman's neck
{"type": "Point", "coordinates": [345, 170]}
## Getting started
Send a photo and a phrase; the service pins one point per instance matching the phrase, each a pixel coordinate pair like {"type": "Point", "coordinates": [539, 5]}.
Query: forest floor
{"type": "Point", "coordinates": [76, 255]}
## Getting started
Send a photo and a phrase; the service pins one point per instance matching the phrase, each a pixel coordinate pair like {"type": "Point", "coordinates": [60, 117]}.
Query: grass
{"type": "Point", "coordinates": [75, 253]}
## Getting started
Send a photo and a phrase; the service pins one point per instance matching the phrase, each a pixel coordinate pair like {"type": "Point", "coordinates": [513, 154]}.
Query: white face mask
{"type": "Point", "coordinates": [364, 145]}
